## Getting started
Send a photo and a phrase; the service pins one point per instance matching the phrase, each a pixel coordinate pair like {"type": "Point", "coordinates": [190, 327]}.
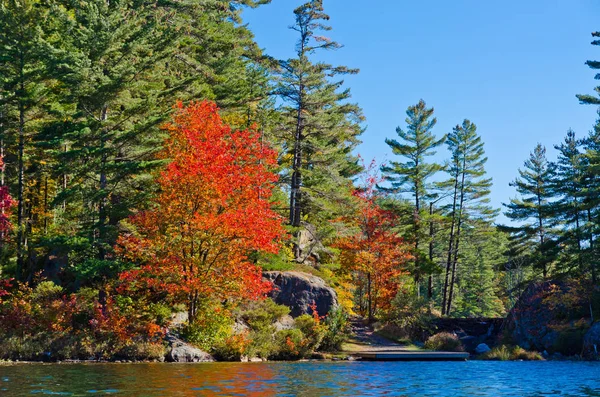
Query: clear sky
{"type": "Point", "coordinates": [512, 67]}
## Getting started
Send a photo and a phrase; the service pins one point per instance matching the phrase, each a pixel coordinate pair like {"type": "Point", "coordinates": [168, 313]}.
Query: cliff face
{"type": "Point", "coordinates": [551, 316]}
{"type": "Point", "coordinates": [299, 291]}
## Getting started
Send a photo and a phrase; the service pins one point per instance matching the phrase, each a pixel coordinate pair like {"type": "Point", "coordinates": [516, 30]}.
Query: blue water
{"type": "Point", "coordinates": [471, 378]}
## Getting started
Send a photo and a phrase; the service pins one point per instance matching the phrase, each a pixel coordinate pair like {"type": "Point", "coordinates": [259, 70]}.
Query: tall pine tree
{"type": "Point", "coordinates": [412, 176]}
{"type": "Point", "coordinates": [533, 210]}
{"type": "Point", "coordinates": [320, 129]}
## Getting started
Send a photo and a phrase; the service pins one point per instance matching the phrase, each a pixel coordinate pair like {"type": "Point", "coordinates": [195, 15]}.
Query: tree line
{"type": "Point", "coordinates": [87, 88]}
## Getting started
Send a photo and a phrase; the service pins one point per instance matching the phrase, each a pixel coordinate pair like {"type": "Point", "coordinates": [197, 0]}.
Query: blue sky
{"type": "Point", "coordinates": [512, 67]}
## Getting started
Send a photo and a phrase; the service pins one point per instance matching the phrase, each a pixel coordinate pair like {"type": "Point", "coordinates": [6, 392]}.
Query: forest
{"type": "Point", "coordinates": [156, 161]}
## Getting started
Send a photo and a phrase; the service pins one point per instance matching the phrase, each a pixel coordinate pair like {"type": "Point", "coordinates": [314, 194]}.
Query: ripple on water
{"type": "Point", "coordinates": [438, 379]}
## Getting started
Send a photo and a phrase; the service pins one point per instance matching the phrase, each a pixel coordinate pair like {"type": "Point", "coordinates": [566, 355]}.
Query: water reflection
{"type": "Point", "coordinates": [474, 378]}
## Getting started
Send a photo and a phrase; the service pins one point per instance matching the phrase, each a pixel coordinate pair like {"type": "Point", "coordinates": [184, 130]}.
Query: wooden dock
{"type": "Point", "coordinates": [411, 356]}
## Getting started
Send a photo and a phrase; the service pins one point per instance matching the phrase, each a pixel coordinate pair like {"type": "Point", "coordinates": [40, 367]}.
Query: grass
{"type": "Point", "coordinates": [444, 341]}
{"type": "Point", "coordinates": [510, 353]}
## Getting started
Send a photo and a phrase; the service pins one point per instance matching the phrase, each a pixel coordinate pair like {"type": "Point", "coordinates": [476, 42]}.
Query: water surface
{"type": "Point", "coordinates": [471, 378]}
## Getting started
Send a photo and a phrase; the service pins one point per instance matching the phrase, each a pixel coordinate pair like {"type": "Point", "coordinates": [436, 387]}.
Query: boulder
{"type": "Point", "coordinates": [299, 291]}
{"type": "Point", "coordinates": [591, 342]}
{"type": "Point", "coordinates": [181, 352]}
{"type": "Point", "coordinates": [285, 322]}
{"type": "Point", "coordinates": [482, 348]}
{"type": "Point", "coordinates": [530, 321]}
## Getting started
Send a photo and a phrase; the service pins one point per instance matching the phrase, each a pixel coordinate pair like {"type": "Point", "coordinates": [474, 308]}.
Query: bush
{"type": "Point", "coordinates": [143, 351]}
{"type": "Point", "coordinates": [444, 341]}
{"type": "Point", "coordinates": [261, 314]}
{"type": "Point", "coordinates": [290, 345]}
{"type": "Point", "coordinates": [208, 330]}
{"type": "Point", "coordinates": [336, 331]}
{"type": "Point", "coordinates": [232, 348]}
{"type": "Point", "coordinates": [506, 353]}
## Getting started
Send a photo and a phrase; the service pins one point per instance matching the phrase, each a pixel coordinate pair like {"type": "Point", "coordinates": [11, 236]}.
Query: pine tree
{"type": "Point", "coordinates": [320, 127]}
{"type": "Point", "coordinates": [594, 65]}
{"type": "Point", "coordinates": [568, 188]}
{"type": "Point", "coordinates": [416, 144]}
{"type": "Point", "coordinates": [113, 99]}
{"type": "Point", "coordinates": [534, 209]}
{"type": "Point", "coordinates": [479, 285]}
{"type": "Point", "coordinates": [469, 189]}
{"type": "Point", "coordinates": [23, 47]}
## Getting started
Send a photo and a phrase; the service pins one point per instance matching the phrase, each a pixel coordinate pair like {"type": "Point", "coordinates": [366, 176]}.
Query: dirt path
{"type": "Point", "coordinates": [364, 339]}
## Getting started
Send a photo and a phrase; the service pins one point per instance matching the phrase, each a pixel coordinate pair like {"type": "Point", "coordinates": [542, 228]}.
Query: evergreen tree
{"type": "Point", "coordinates": [416, 144]}
{"type": "Point", "coordinates": [594, 65]}
{"type": "Point", "coordinates": [469, 189]}
{"type": "Point", "coordinates": [568, 189]}
{"type": "Point", "coordinates": [114, 97]}
{"type": "Point", "coordinates": [23, 47]}
{"type": "Point", "coordinates": [319, 130]}
{"type": "Point", "coordinates": [533, 209]}
{"type": "Point", "coordinates": [478, 288]}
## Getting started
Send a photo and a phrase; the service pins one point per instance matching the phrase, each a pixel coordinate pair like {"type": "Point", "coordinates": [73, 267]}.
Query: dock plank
{"type": "Point", "coordinates": [411, 356]}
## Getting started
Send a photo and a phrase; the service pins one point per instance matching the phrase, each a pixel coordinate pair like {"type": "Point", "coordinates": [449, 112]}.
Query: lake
{"type": "Point", "coordinates": [470, 378]}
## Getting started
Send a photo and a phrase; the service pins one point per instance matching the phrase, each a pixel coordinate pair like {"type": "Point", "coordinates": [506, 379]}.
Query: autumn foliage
{"type": "Point", "coordinates": [375, 255]}
{"type": "Point", "coordinates": [213, 209]}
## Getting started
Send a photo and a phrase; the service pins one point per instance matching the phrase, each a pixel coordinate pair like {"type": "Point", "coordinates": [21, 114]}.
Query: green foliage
{"type": "Point", "coordinates": [337, 329]}
{"type": "Point", "coordinates": [444, 341]}
{"type": "Point", "coordinates": [260, 315]}
{"type": "Point", "coordinates": [211, 327]}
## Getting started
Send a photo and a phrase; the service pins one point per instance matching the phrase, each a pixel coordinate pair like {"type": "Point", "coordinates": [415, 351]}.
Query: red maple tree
{"type": "Point", "coordinates": [213, 209]}
{"type": "Point", "coordinates": [375, 255]}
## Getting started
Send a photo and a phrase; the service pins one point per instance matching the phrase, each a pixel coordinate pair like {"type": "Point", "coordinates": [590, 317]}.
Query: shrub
{"type": "Point", "coordinates": [519, 353]}
{"type": "Point", "coordinates": [290, 345]}
{"type": "Point", "coordinates": [444, 341]}
{"type": "Point", "coordinates": [232, 348]}
{"type": "Point", "coordinates": [506, 353]}
{"type": "Point", "coordinates": [261, 314]}
{"type": "Point", "coordinates": [336, 331]}
{"type": "Point", "coordinates": [143, 351]}
{"type": "Point", "coordinates": [208, 330]}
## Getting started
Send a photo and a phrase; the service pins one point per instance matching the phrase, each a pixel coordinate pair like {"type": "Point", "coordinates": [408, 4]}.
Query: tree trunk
{"type": "Point", "coordinates": [103, 185]}
{"type": "Point", "coordinates": [450, 247]}
{"type": "Point", "coordinates": [431, 233]}
{"type": "Point", "coordinates": [457, 245]}
{"type": "Point", "coordinates": [20, 188]}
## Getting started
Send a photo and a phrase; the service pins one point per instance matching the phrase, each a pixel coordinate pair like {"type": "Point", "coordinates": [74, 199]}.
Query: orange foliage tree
{"type": "Point", "coordinates": [375, 255]}
{"type": "Point", "coordinates": [213, 209]}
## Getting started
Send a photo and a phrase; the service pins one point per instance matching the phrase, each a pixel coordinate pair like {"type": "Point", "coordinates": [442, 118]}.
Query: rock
{"type": "Point", "coordinates": [181, 352]}
{"type": "Point", "coordinates": [299, 291]}
{"type": "Point", "coordinates": [482, 348]}
{"type": "Point", "coordinates": [591, 342]}
{"type": "Point", "coordinates": [530, 321]}
{"type": "Point", "coordinates": [310, 250]}
{"type": "Point", "coordinates": [470, 343]}
{"type": "Point", "coordinates": [285, 322]}
{"type": "Point", "coordinates": [240, 327]}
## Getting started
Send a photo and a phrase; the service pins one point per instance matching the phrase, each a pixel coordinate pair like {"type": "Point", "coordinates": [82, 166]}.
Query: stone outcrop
{"type": "Point", "coordinates": [299, 291]}
{"type": "Point", "coordinates": [529, 321]}
{"type": "Point", "coordinates": [181, 352]}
